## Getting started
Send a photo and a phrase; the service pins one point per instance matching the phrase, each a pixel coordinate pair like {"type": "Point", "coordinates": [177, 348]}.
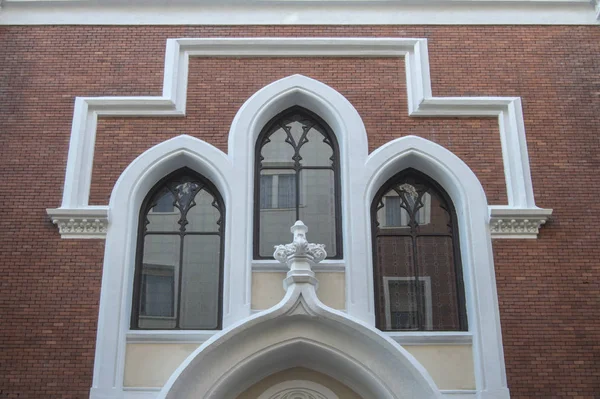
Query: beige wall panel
{"type": "Point", "coordinates": [267, 289]}
{"type": "Point", "coordinates": [450, 366]}
{"type": "Point", "coordinates": [298, 373]}
{"type": "Point", "coordinates": [150, 365]}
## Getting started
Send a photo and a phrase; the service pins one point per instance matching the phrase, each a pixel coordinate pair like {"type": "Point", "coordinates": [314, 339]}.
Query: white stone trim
{"type": "Point", "coordinates": [298, 12]}
{"type": "Point", "coordinates": [297, 89]}
{"type": "Point", "coordinates": [90, 222]}
{"type": "Point", "coordinates": [431, 337]}
{"type": "Point", "coordinates": [517, 223]}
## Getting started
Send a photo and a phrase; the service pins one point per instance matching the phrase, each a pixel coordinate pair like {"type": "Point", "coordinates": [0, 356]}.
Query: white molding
{"type": "Point", "coordinates": [91, 222]}
{"type": "Point", "coordinates": [298, 12]}
{"type": "Point", "coordinates": [431, 337]}
{"type": "Point", "coordinates": [166, 337]}
{"type": "Point", "coordinates": [515, 223]}
{"type": "Point", "coordinates": [420, 103]}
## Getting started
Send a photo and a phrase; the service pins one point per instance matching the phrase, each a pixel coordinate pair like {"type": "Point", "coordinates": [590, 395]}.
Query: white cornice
{"type": "Point", "coordinates": [298, 12]}
{"type": "Point", "coordinates": [90, 222]}
{"type": "Point", "coordinates": [517, 223]}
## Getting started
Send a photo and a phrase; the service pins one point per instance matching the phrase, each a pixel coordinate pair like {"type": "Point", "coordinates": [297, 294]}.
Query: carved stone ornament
{"type": "Point", "coordinates": [300, 248]}
{"type": "Point", "coordinates": [80, 223]}
{"type": "Point", "coordinates": [506, 223]}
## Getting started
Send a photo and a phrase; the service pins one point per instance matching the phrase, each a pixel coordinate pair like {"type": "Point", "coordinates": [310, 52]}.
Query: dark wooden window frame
{"type": "Point", "coordinates": [378, 278]}
{"type": "Point", "coordinates": [147, 205]}
{"type": "Point", "coordinates": [262, 139]}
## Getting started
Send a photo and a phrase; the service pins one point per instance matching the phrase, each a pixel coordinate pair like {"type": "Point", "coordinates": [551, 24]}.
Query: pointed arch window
{"type": "Point", "coordinates": [179, 266]}
{"type": "Point", "coordinates": [297, 178]}
{"type": "Point", "coordinates": [417, 266]}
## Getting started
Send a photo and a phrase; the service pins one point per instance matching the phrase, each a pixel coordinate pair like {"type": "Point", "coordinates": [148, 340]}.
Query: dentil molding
{"type": "Point", "coordinates": [80, 223]}
{"type": "Point", "coordinates": [511, 223]}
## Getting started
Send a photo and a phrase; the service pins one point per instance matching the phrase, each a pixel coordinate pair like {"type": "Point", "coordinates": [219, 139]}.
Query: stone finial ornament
{"type": "Point", "coordinates": [299, 255]}
{"type": "Point", "coordinates": [300, 248]}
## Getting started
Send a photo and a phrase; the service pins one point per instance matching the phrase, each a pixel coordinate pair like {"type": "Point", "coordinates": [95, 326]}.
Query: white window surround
{"type": "Point", "coordinates": [362, 174]}
{"type": "Point", "coordinates": [298, 12]}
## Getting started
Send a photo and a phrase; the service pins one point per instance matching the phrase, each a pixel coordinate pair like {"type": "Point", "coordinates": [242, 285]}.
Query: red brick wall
{"type": "Point", "coordinates": [548, 288]}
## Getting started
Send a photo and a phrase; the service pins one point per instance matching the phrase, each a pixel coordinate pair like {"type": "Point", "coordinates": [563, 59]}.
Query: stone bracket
{"type": "Point", "coordinates": [517, 223]}
{"type": "Point", "coordinates": [89, 222]}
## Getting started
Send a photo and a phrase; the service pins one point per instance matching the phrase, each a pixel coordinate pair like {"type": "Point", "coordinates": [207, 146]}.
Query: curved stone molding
{"type": "Point", "coordinates": [298, 389]}
{"type": "Point", "coordinates": [80, 223]}
{"type": "Point", "coordinates": [511, 223]}
{"type": "Point", "coordinates": [300, 331]}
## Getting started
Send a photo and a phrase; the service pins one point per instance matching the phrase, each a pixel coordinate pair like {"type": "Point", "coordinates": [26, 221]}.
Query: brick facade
{"type": "Point", "coordinates": [548, 288]}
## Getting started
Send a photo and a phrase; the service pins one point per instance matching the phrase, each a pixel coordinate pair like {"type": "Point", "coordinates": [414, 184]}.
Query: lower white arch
{"type": "Point", "coordinates": [301, 332]}
{"type": "Point", "coordinates": [302, 388]}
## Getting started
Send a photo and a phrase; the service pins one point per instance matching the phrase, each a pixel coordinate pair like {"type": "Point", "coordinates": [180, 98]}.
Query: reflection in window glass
{"type": "Point", "coordinates": [179, 262]}
{"type": "Point", "coordinates": [417, 268]}
{"type": "Point", "coordinates": [297, 174]}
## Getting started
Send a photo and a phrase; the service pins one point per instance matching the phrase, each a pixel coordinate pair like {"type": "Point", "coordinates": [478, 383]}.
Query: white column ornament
{"type": "Point", "coordinates": [299, 255]}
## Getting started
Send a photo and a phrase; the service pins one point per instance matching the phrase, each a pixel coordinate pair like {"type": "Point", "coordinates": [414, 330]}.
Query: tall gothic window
{"type": "Point", "coordinates": [296, 178]}
{"type": "Point", "coordinates": [417, 266]}
{"type": "Point", "coordinates": [179, 266]}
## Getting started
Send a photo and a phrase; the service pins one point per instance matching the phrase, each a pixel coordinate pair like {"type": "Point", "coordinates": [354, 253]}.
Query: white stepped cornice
{"type": "Point", "coordinates": [297, 12]}
{"type": "Point", "coordinates": [421, 103]}
{"type": "Point", "coordinates": [89, 222]}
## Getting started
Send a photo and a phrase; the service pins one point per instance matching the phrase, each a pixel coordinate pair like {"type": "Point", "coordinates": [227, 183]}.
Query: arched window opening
{"type": "Point", "coordinates": [179, 266]}
{"type": "Point", "coordinates": [416, 256]}
{"type": "Point", "coordinates": [297, 178]}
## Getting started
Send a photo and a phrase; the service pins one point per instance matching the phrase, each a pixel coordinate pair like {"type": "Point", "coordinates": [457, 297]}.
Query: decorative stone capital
{"type": "Point", "coordinates": [517, 223]}
{"type": "Point", "coordinates": [80, 223]}
{"type": "Point", "coordinates": [299, 256]}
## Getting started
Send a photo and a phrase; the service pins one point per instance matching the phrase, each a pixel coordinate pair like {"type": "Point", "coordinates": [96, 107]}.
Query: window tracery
{"type": "Point", "coordinates": [179, 262]}
{"type": "Point", "coordinates": [417, 266]}
{"type": "Point", "coordinates": [297, 178]}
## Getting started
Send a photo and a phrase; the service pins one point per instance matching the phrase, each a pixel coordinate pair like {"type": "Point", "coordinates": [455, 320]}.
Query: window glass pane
{"type": "Point", "coordinates": [163, 216]}
{"type": "Point", "coordinates": [266, 191]}
{"type": "Point", "coordinates": [436, 263]}
{"type": "Point", "coordinates": [275, 220]}
{"type": "Point", "coordinates": [434, 216]}
{"type": "Point", "coordinates": [200, 282]}
{"type": "Point", "coordinates": [160, 266]}
{"type": "Point", "coordinates": [416, 265]}
{"type": "Point", "coordinates": [286, 191]}
{"type": "Point", "coordinates": [317, 206]}
{"type": "Point", "coordinates": [277, 152]}
{"type": "Point", "coordinates": [395, 262]}
{"type": "Point", "coordinates": [203, 216]}
{"type": "Point", "coordinates": [315, 152]}
{"type": "Point", "coordinates": [158, 290]}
